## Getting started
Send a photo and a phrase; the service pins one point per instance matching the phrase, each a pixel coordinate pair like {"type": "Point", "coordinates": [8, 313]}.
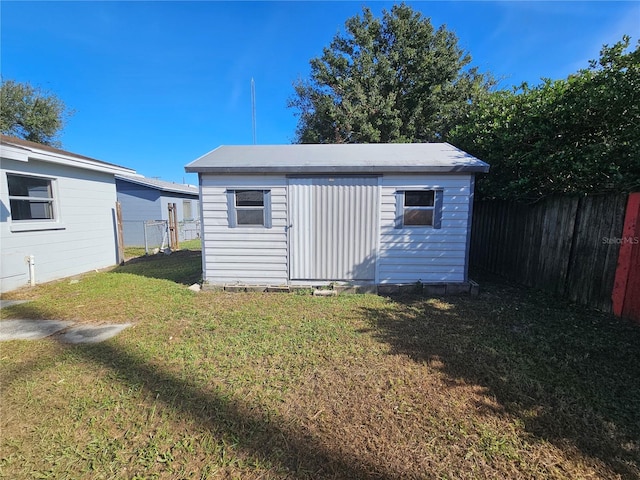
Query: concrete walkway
{"type": "Point", "coordinates": [64, 331]}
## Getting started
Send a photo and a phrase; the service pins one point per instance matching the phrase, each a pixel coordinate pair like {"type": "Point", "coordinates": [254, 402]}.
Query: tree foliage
{"type": "Point", "coordinates": [576, 135]}
{"type": "Point", "coordinates": [31, 113]}
{"type": "Point", "coordinates": [391, 80]}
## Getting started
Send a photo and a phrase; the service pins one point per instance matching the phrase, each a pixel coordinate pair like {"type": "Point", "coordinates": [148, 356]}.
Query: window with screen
{"type": "Point", "coordinates": [30, 198]}
{"type": "Point", "coordinates": [419, 208]}
{"type": "Point", "coordinates": [249, 208]}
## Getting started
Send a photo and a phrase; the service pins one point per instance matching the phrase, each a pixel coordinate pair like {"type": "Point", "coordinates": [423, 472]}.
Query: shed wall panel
{"type": "Point", "coordinates": [407, 255]}
{"type": "Point", "coordinates": [252, 255]}
{"type": "Point", "coordinates": [424, 254]}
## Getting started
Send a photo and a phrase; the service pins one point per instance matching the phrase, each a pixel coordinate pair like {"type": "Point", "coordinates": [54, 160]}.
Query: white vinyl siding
{"type": "Point", "coordinates": [252, 254]}
{"type": "Point", "coordinates": [424, 254]}
{"type": "Point", "coordinates": [259, 256]}
{"type": "Point", "coordinates": [81, 237]}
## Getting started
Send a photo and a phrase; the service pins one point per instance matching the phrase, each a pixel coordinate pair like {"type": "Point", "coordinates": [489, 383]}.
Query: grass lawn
{"type": "Point", "coordinates": [511, 384]}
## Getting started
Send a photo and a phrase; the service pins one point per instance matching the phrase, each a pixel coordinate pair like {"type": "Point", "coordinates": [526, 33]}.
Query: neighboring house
{"type": "Point", "coordinates": [58, 214]}
{"type": "Point", "coordinates": [145, 199]}
{"type": "Point", "coordinates": [316, 214]}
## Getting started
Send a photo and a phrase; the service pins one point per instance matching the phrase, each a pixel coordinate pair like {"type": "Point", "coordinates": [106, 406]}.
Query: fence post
{"type": "Point", "coordinates": [625, 295]}
{"type": "Point", "coordinates": [146, 242]}
{"type": "Point", "coordinates": [173, 227]}
{"type": "Point", "coordinates": [120, 258]}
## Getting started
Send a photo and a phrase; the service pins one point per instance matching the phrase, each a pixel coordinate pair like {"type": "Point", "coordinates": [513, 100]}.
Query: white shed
{"type": "Point", "coordinates": [57, 215]}
{"type": "Point", "coordinates": [367, 214]}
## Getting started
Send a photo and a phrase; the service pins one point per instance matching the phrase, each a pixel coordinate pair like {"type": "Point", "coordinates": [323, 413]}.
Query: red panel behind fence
{"type": "Point", "coordinates": [626, 288]}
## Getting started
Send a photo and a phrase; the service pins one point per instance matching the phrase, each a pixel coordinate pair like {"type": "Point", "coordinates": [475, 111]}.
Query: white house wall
{"type": "Point", "coordinates": [252, 255]}
{"type": "Point", "coordinates": [84, 238]}
{"type": "Point", "coordinates": [425, 254]}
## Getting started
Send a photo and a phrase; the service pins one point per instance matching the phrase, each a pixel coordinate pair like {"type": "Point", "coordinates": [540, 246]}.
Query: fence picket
{"type": "Point", "coordinates": [559, 244]}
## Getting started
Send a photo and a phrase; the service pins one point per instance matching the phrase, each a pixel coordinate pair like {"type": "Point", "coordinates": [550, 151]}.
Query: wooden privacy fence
{"type": "Point", "coordinates": [566, 245]}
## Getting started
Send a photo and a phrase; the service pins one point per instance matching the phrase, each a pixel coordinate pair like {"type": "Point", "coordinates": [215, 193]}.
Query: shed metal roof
{"type": "Point", "coordinates": [160, 184]}
{"type": "Point", "coordinates": [338, 158]}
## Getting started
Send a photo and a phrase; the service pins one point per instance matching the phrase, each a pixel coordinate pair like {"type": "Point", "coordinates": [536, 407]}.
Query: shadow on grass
{"type": "Point", "coordinates": [572, 376]}
{"type": "Point", "coordinates": [19, 372]}
{"type": "Point", "coordinates": [266, 437]}
{"type": "Point", "coordinates": [183, 266]}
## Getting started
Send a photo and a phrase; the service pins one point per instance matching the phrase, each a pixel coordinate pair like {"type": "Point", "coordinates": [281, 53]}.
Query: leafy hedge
{"type": "Point", "coordinates": [578, 135]}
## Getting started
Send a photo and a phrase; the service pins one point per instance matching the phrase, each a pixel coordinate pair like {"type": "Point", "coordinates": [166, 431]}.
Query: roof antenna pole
{"type": "Point", "coordinates": [253, 109]}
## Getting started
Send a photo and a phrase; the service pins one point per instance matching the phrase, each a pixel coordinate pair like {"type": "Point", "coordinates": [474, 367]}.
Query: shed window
{"type": "Point", "coordinates": [30, 198]}
{"type": "Point", "coordinates": [249, 208]}
{"type": "Point", "coordinates": [419, 208]}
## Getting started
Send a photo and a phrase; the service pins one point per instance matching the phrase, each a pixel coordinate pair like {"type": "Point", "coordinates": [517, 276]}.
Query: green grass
{"type": "Point", "coordinates": [511, 384]}
{"type": "Point", "coordinates": [133, 252]}
{"type": "Point", "coordinates": [182, 266]}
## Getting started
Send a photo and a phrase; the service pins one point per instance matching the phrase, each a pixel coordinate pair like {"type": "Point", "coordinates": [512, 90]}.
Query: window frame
{"type": "Point", "coordinates": [51, 200]}
{"type": "Point", "coordinates": [233, 208]}
{"type": "Point", "coordinates": [401, 208]}
{"type": "Point", "coordinates": [187, 204]}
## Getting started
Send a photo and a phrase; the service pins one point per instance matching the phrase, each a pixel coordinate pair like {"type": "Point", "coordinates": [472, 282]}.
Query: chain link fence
{"type": "Point", "coordinates": [153, 235]}
{"type": "Point", "coordinates": [189, 230]}
{"type": "Point", "coordinates": [156, 236]}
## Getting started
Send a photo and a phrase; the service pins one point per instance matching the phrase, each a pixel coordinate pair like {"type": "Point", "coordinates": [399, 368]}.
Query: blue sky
{"type": "Point", "coordinates": [154, 85]}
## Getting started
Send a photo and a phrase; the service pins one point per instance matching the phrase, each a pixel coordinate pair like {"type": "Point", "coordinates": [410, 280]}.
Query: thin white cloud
{"type": "Point", "coordinates": [628, 24]}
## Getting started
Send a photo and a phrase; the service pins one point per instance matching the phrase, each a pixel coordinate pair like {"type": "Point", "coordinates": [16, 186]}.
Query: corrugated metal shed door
{"type": "Point", "coordinates": [334, 228]}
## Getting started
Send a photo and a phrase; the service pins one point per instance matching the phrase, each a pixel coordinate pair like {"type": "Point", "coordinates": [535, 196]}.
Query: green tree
{"type": "Point", "coordinates": [392, 80]}
{"type": "Point", "coordinates": [31, 113]}
{"type": "Point", "coordinates": [576, 135]}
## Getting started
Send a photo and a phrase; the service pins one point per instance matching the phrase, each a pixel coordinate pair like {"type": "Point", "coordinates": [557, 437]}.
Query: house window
{"type": "Point", "coordinates": [419, 208]}
{"type": "Point", "coordinates": [30, 198]}
{"type": "Point", "coordinates": [249, 208]}
{"type": "Point", "coordinates": [187, 214]}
